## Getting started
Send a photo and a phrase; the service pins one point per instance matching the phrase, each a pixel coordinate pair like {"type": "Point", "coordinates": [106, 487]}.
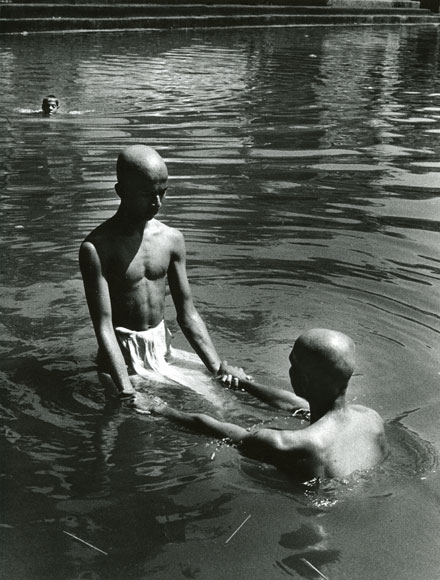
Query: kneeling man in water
{"type": "Point", "coordinates": [341, 437]}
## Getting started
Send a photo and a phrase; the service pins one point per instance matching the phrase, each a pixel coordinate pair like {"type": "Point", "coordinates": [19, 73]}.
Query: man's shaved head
{"type": "Point", "coordinates": [325, 356]}
{"type": "Point", "coordinates": [140, 160]}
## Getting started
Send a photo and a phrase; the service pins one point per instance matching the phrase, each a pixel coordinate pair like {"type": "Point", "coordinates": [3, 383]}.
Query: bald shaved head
{"type": "Point", "coordinates": [142, 182]}
{"type": "Point", "coordinates": [140, 161]}
{"type": "Point", "coordinates": [325, 357]}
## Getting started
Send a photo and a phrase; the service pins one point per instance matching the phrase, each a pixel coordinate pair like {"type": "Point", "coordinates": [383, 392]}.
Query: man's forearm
{"type": "Point", "coordinates": [197, 335]}
{"type": "Point", "coordinates": [204, 424]}
{"type": "Point", "coordinates": [109, 346]}
{"type": "Point", "coordinates": [275, 397]}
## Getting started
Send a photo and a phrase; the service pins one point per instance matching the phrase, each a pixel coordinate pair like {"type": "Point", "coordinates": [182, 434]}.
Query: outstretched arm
{"type": "Point", "coordinates": [270, 445]}
{"type": "Point", "coordinates": [98, 300]}
{"type": "Point", "coordinates": [275, 397]}
{"type": "Point", "coordinates": [201, 423]}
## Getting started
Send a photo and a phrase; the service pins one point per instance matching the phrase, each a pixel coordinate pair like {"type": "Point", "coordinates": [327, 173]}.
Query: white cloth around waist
{"type": "Point", "coordinates": [148, 354]}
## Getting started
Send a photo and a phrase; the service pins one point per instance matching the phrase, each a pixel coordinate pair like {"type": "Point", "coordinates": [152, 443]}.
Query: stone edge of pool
{"type": "Point", "coordinates": [24, 16]}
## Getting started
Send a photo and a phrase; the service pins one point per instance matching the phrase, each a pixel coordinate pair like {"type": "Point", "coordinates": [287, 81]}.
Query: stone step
{"type": "Point", "coordinates": [62, 15]}
{"type": "Point", "coordinates": [359, 4]}
{"type": "Point", "coordinates": [252, 3]}
{"type": "Point", "coordinates": [28, 11]}
{"type": "Point", "coordinates": [179, 2]}
{"type": "Point", "coordinates": [220, 21]}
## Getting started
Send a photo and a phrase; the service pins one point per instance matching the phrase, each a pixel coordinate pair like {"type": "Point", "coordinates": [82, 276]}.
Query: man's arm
{"type": "Point", "coordinates": [270, 445]}
{"type": "Point", "coordinates": [273, 396]}
{"type": "Point", "coordinates": [201, 423]}
{"type": "Point", "coordinates": [98, 300]}
{"type": "Point", "coordinates": [188, 318]}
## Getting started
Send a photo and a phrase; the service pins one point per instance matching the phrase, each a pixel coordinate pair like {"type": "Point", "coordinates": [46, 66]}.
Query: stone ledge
{"type": "Point", "coordinates": [48, 10]}
{"type": "Point", "coordinates": [19, 17]}
{"type": "Point", "coordinates": [359, 4]}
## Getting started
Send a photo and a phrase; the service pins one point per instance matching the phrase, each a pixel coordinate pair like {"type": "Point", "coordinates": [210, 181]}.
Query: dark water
{"type": "Point", "coordinates": [305, 174]}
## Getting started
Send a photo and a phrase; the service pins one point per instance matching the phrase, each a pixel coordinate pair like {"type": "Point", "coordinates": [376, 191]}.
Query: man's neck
{"type": "Point", "coordinates": [320, 408]}
{"type": "Point", "coordinates": [129, 224]}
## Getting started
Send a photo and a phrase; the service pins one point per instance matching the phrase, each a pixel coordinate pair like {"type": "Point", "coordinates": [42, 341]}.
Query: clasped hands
{"type": "Point", "coordinates": [230, 376]}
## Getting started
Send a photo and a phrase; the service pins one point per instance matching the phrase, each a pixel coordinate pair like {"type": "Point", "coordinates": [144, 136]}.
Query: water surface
{"type": "Point", "coordinates": [305, 174]}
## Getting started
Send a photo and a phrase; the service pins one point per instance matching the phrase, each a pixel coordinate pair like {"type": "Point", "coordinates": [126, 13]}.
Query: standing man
{"type": "Point", "coordinates": [125, 264]}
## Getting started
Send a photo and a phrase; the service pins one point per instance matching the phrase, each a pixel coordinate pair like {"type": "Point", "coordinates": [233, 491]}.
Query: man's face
{"type": "Point", "coordinates": [297, 379]}
{"type": "Point", "coordinates": [143, 197]}
{"type": "Point", "coordinates": [50, 106]}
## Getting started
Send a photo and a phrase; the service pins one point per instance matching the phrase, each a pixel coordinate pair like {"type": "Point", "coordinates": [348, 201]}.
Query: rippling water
{"type": "Point", "coordinates": [305, 174]}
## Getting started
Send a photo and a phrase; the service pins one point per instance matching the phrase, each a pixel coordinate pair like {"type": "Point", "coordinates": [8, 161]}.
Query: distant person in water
{"type": "Point", "coordinates": [340, 439]}
{"type": "Point", "coordinates": [125, 264]}
{"type": "Point", "coordinates": [50, 105]}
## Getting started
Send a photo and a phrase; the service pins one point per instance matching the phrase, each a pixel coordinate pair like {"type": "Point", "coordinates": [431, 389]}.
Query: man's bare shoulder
{"type": "Point", "coordinates": [167, 238]}
{"type": "Point", "coordinates": [169, 231]}
{"type": "Point", "coordinates": [104, 232]}
{"type": "Point", "coordinates": [286, 439]}
{"type": "Point", "coordinates": [367, 414]}
{"type": "Point", "coordinates": [173, 239]}
{"type": "Point", "coordinates": [100, 244]}
{"type": "Point", "coordinates": [291, 450]}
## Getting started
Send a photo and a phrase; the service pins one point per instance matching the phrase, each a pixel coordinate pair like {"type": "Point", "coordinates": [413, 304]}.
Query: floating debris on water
{"type": "Point", "coordinates": [239, 527]}
{"type": "Point", "coordinates": [86, 543]}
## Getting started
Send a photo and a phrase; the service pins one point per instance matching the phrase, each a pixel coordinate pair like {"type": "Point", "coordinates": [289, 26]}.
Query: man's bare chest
{"type": "Point", "coordinates": [128, 264]}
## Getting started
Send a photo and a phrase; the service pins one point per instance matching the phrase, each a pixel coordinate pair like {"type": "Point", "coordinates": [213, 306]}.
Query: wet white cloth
{"type": "Point", "coordinates": [148, 354]}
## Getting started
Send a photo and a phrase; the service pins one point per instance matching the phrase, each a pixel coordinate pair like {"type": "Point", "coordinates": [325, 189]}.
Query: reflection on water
{"type": "Point", "coordinates": [304, 172]}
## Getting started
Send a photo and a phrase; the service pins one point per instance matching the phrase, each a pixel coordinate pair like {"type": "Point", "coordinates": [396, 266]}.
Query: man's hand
{"type": "Point", "coordinates": [127, 394]}
{"type": "Point", "coordinates": [146, 404]}
{"type": "Point", "coordinates": [230, 376]}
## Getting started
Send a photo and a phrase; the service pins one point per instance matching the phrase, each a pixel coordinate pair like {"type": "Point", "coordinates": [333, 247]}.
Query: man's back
{"type": "Point", "coordinates": [339, 443]}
